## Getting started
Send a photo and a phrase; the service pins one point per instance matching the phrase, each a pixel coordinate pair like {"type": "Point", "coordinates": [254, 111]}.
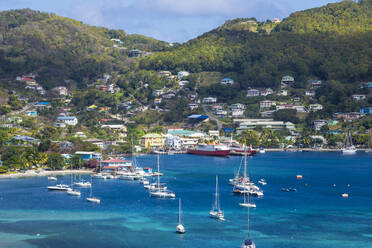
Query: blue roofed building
{"type": "Point", "coordinates": [227, 81]}
{"type": "Point", "coordinates": [366, 110]}
{"type": "Point", "coordinates": [86, 156]}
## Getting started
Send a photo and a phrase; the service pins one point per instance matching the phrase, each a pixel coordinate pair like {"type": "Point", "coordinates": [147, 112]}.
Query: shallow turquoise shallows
{"type": "Point", "coordinates": [316, 216]}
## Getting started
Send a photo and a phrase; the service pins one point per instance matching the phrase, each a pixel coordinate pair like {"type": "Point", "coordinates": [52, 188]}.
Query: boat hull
{"type": "Point", "coordinates": [220, 153]}
{"type": "Point", "coordinates": [241, 152]}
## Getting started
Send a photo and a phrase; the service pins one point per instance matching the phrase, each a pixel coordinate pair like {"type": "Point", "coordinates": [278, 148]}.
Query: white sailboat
{"type": "Point", "coordinates": [158, 191]}
{"type": "Point", "coordinates": [216, 212]}
{"type": "Point", "coordinates": [72, 191]}
{"type": "Point", "coordinates": [82, 183]}
{"type": "Point", "coordinates": [180, 228]}
{"type": "Point", "coordinates": [247, 204]}
{"type": "Point", "coordinates": [349, 148]}
{"type": "Point", "coordinates": [248, 243]}
{"type": "Point", "coordinates": [93, 199]}
{"type": "Point", "coordinates": [245, 185]}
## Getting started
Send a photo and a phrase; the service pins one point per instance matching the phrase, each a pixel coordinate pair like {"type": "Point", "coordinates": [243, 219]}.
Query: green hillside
{"type": "Point", "coordinates": [330, 42]}
{"type": "Point", "coordinates": [60, 48]}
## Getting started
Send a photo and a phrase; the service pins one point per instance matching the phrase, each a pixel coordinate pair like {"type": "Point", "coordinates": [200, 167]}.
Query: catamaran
{"type": "Point", "coordinates": [216, 211]}
{"type": "Point", "coordinates": [349, 148]}
{"type": "Point", "coordinates": [93, 199]}
{"type": "Point", "coordinates": [159, 191]}
{"type": "Point", "coordinates": [244, 185]}
{"type": "Point", "coordinates": [248, 243]}
{"type": "Point", "coordinates": [180, 228]}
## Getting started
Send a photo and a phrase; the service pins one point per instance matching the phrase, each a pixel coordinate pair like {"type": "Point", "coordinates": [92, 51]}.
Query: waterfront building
{"type": "Point", "coordinates": [86, 156]}
{"type": "Point", "coordinates": [153, 140]}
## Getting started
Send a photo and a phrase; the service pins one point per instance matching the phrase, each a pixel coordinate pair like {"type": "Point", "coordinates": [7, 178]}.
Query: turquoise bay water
{"type": "Point", "coordinates": [315, 216]}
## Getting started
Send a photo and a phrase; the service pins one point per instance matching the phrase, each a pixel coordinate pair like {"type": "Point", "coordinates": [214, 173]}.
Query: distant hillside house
{"type": "Point", "coordinates": [68, 120]}
{"type": "Point", "coordinates": [348, 116]}
{"type": "Point", "coordinates": [283, 93]}
{"type": "Point", "coordinates": [267, 104]}
{"type": "Point", "coordinates": [61, 90]}
{"type": "Point", "coordinates": [237, 113]}
{"type": "Point", "coordinates": [367, 85]}
{"type": "Point", "coordinates": [315, 83]}
{"type": "Point", "coordinates": [253, 93]}
{"type": "Point", "coordinates": [237, 106]}
{"type": "Point", "coordinates": [183, 83]}
{"type": "Point", "coordinates": [315, 107]}
{"type": "Point", "coordinates": [158, 92]}
{"type": "Point", "coordinates": [157, 100]}
{"type": "Point", "coordinates": [300, 109]}
{"type": "Point", "coordinates": [287, 81]}
{"type": "Point", "coordinates": [310, 93]}
{"type": "Point", "coordinates": [96, 142]}
{"type": "Point", "coordinates": [182, 74]}
{"type": "Point", "coordinates": [227, 81]}
{"type": "Point", "coordinates": [276, 20]}
{"type": "Point", "coordinates": [366, 111]}
{"type": "Point", "coordinates": [31, 113]}
{"type": "Point", "coordinates": [164, 73]}
{"type": "Point", "coordinates": [135, 53]}
{"type": "Point", "coordinates": [193, 106]}
{"type": "Point", "coordinates": [209, 100]}
{"type": "Point", "coordinates": [80, 135]}
{"type": "Point", "coordinates": [358, 97]}
{"type": "Point", "coordinates": [267, 92]}
{"type": "Point", "coordinates": [42, 105]}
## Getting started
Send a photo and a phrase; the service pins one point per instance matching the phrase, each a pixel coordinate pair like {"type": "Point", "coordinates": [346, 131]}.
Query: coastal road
{"type": "Point", "coordinates": [212, 117]}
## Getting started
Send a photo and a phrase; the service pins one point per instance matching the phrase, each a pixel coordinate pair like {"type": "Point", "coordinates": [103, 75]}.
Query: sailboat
{"type": "Point", "coordinates": [248, 243]}
{"type": "Point", "coordinates": [71, 191]}
{"type": "Point", "coordinates": [216, 211]}
{"type": "Point", "coordinates": [82, 183]}
{"type": "Point", "coordinates": [93, 199]}
{"type": "Point", "coordinates": [247, 204]}
{"type": "Point", "coordinates": [349, 148]}
{"type": "Point", "coordinates": [180, 228]}
{"type": "Point", "coordinates": [159, 191]}
{"type": "Point", "coordinates": [245, 185]}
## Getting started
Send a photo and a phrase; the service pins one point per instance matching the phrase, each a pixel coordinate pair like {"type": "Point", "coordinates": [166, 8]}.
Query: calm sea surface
{"type": "Point", "coordinates": [315, 216]}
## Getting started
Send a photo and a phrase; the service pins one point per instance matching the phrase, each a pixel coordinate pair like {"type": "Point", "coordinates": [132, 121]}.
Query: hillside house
{"type": "Point", "coordinates": [227, 81]}
{"type": "Point", "coordinates": [358, 97]}
{"type": "Point", "coordinates": [61, 90]}
{"type": "Point", "coordinates": [183, 83]}
{"type": "Point", "coordinates": [158, 92]}
{"type": "Point", "coordinates": [182, 74]}
{"type": "Point", "coordinates": [284, 106]}
{"type": "Point", "coordinates": [31, 113]}
{"type": "Point", "coordinates": [237, 113]}
{"type": "Point", "coordinates": [264, 123]}
{"type": "Point", "coordinates": [367, 85]}
{"type": "Point", "coordinates": [135, 53]}
{"type": "Point", "coordinates": [310, 93]}
{"type": "Point", "coordinates": [164, 73]}
{"type": "Point", "coordinates": [348, 116]}
{"type": "Point", "coordinates": [267, 92]}
{"type": "Point", "coordinates": [315, 107]}
{"type": "Point", "coordinates": [366, 111]}
{"type": "Point", "coordinates": [315, 83]}
{"type": "Point", "coordinates": [282, 93]}
{"type": "Point", "coordinates": [287, 81]}
{"type": "Point", "coordinates": [157, 100]}
{"type": "Point", "coordinates": [68, 120]}
{"type": "Point", "coordinates": [209, 100]}
{"type": "Point", "coordinates": [300, 109]}
{"type": "Point", "coordinates": [43, 105]}
{"type": "Point", "coordinates": [193, 106]}
{"type": "Point", "coordinates": [267, 104]}
{"type": "Point", "coordinates": [237, 106]}
{"type": "Point", "coordinates": [253, 93]}
{"type": "Point", "coordinates": [276, 20]}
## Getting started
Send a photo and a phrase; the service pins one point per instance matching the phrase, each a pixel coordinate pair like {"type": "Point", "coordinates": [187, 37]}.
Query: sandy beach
{"type": "Point", "coordinates": [32, 173]}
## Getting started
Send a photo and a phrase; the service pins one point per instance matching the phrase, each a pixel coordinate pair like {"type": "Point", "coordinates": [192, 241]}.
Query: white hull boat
{"type": "Point", "coordinates": [59, 187]}
{"type": "Point", "coordinates": [73, 192]}
{"type": "Point", "coordinates": [216, 212]}
{"type": "Point", "coordinates": [52, 178]}
{"type": "Point", "coordinates": [83, 184]}
{"type": "Point", "coordinates": [163, 194]}
{"type": "Point", "coordinates": [93, 200]}
{"type": "Point", "coordinates": [180, 228]}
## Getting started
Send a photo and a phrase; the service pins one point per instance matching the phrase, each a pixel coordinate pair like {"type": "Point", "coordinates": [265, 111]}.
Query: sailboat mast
{"type": "Point", "coordinates": [245, 163]}
{"type": "Point", "coordinates": [158, 173]}
{"type": "Point", "coordinates": [248, 224]}
{"type": "Point", "coordinates": [179, 211]}
{"type": "Point", "coordinates": [216, 198]}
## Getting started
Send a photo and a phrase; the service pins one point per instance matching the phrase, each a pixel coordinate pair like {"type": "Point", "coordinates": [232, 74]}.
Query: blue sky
{"type": "Point", "coordinates": [168, 20]}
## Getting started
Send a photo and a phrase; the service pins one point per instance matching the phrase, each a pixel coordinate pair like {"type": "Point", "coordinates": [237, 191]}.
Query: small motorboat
{"type": "Point", "coordinates": [284, 189]}
{"type": "Point", "coordinates": [163, 194]}
{"type": "Point", "coordinates": [345, 195]}
{"type": "Point", "coordinates": [262, 182]}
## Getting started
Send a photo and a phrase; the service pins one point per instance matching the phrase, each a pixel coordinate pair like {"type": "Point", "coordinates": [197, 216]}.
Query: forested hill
{"type": "Point", "coordinates": [330, 42]}
{"type": "Point", "coordinates": [60, 48]}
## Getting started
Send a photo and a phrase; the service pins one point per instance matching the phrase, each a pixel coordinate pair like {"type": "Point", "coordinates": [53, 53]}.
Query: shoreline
{"type": "Point", "coordinates": [32, 173]}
